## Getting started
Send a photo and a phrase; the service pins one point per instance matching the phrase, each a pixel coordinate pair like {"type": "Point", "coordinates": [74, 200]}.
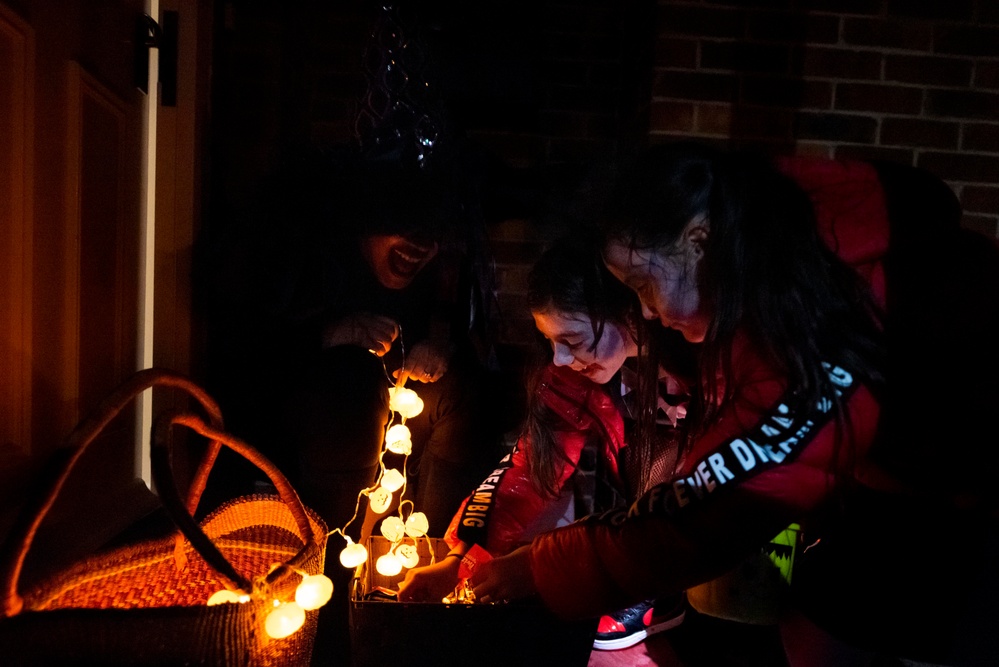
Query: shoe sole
{"type": "Point", "coordinates": [631, 640]}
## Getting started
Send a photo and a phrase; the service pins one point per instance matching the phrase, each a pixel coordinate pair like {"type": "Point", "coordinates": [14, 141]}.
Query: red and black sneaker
{"type": "Point", "coordinates": [629, 626]}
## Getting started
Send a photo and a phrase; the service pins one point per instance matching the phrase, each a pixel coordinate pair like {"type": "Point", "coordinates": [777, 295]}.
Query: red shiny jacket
{"type": "Point", "coordinates": [501, 513]}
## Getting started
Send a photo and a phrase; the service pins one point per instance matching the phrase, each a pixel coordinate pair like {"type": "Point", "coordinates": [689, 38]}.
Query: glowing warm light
{"type": "Point", "coordinates": [389, 565]}
{"type": "Point", "coordinates": [284, 620]}
{"type": "Point", "coordinates": [379, 500]}
{"type": "Point", "coordinates": [314, 591]}
{"type": "Point", "coordinates": [398, 439]}
{"type": "Point", "coordinates": [405, 402]}
{"type": "Point", "coordinates": [223, 596]}
{"type": "Point", "coordinates": [392, 480]}
{"type": "Point", "coordinates": [353, 554]}
{"type": "Point", "coordinates": [417, 524]}
{"type": "Point", "coordinates": [410, 557]}
{"type": "Point", "coordinates": [393, 529]}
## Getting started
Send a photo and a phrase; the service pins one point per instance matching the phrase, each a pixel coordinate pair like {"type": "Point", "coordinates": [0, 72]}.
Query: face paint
{"type": "Point", "coordinates": [571, 337]}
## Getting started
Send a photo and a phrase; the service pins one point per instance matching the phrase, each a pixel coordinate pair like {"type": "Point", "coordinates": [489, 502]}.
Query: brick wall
{"type": "Point", "coordinates": [912, 81]}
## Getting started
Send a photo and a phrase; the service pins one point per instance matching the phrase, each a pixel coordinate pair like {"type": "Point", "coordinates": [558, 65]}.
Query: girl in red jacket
{"type": "Point", "coordinates": [782, 272]}
{"type": "Point", "coordinates": [571, 459]}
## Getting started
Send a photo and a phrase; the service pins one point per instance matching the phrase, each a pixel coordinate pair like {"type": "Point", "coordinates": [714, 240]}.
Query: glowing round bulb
{"type": "Point", "coordinates": [389, 565]}
{"type": "Point", "coordinates": [223, 596]}
{"type": "Point", "coordinates": [284, 620]}
{"type": "Point", "coordinates": [417, 524]}
{"type": "Point", "coordinates": [392, 480]}
{"type": "Point", "coordinates": [379, 500]}
{"type": "Point", "coordinates": [393, 528]}
{"type": "Point", "coordinates": [314, 591]}
{"type": "Point", "coordinates": [353, 554]}
{"type": "Point", "coordinates": [398, 439]}
{"type": "Point", "coordinates": [410, 557]}
{"type": "Point", "coordinates": [405, 402]}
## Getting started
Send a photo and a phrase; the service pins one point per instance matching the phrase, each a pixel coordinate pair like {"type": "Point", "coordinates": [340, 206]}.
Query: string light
{"type": "Point", "coordinates": [404, 404]}
{"type": "Point", "coordinates": [284, 620]}
{"type": "Point", "coordinates": [224, 596]}
{"type": "Point", "coordinates": [399, 440]}
{"type": "Point", "coordinates": [393, 529]}
{"type": "Point", "coordinates": [389, 564]}
{"type": "Point", "coordinates": [314, 591]}
{"type": "Point", "coordinates": [409, 555]}
{"type": "Point", "coordinates": [353, 554]}
{"type": "Point", "coordinates": [392, 480]}
{"type": "Point", "coordinates": [379, 500]}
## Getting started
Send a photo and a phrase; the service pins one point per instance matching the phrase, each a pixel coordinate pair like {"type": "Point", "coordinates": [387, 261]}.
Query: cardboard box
{"type": "Point", "coordinates": [387, 632]}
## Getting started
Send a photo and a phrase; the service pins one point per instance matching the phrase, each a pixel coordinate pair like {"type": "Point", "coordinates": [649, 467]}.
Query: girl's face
{"type": "Point", "coordinates": [666, 281]}
{"type": "Point", "coordinates": [571, 337]}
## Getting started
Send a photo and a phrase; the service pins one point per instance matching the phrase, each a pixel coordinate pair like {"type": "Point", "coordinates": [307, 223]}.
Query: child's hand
{"type": "Point", "coordinates": [504, 578]}
{"type": "Point", "coordinates": [430, 583]}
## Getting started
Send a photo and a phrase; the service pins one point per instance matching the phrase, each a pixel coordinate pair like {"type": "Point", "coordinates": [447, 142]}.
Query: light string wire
{"type": "Point", "coordinates": [404, 503]}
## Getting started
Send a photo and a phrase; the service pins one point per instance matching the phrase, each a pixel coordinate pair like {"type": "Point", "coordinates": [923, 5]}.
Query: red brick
{"type": "Point", "coordinates": [983, 224]}
{"type": "Point", "coordinates": [835, 127]}
{"type": "Point", "coordinates": [676, 52]}
{"type": "Point", "coordinates": [840, 63]}
{"type": "Point", "coordinates": [878, 98]}
{"type": "Point", "coordinates": [765, 145]}
{"type": "Point", "coordinates": [963, 167]}
{"type": "Point", "coordinates": [671, 117]}
{"type": "Point", "coordinates": [701, 21]}
{"type": "Point", "coordinates": [917, 132]}
{"type": "Point", "coordinates": [931, 70]}
{"type": "Point", "coordinates": [888, 34]}
{"type": "Point", "coordinates": [962, 104]}
{"type": "Point", "coordinates": [813, 149]}
{"type": "Point", "coordinates": [794, 27]}
{"type": "Point", "coordinates": [899, 155]}
{"type": "Point", "coordinates": [987, 74]}
{"type": "Point", "coordinates": [981, 137]}
{"type": "Point", "coordinates": [966, 40]}
{"type": "Point", "coordinates": [714, 118]}
{"type": "Point", "coordinates": [980, 199]}
{"type": "Point", "coordinates": [695, 86]}
{"type": "Point", "coordinates": [951, 10]}
{"type": "Point", "coordinates": [787, 92]}
{"type": "Point", "coordinates": [762, 122]}
{"type": "Point", "coordinates": [745, 57]}
{"type": "Point", "coordinates": [843, 6]}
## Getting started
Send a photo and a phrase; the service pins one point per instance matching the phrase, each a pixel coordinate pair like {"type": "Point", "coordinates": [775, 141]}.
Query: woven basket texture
{"type": "Point", "coordinates": [89, 610]}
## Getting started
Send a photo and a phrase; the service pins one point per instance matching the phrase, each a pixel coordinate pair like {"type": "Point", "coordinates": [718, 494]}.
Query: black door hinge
{"type": "Point", "coordinates": [151, 35]}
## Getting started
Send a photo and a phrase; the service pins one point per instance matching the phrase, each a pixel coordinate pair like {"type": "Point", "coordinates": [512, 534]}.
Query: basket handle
{"type": "Point", "coordinates": [182, 517]}
{"type": "Point", "coordinates": [23, 532]}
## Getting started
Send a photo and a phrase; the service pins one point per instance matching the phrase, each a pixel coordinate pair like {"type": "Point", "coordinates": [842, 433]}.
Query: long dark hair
{"type": "Point", "coordinates": [765, 271]}
{"type": "Point", "coordinates": [569, 277]}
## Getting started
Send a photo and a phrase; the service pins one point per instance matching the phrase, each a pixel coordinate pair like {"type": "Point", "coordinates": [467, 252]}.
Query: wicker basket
{"type": "Point", "coordinates": [145, 603]}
